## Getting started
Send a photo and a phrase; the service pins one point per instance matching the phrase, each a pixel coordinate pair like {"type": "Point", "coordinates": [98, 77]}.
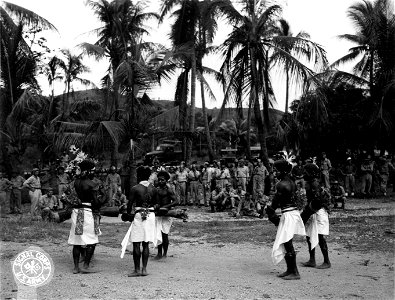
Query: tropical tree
{"type": "Point", "coordinates": [374, 56]}
{"type": "Point", "coordinates": [72, 68]}
{"type": "Point", "coordinates": [18, 61]}
{"type": "Point", "coordinates": [120, 40]}
{"type": "Point", "coordinates": [193, 30]}
{"type": "Point", "coordinates": [294, 46]}
{"type": "Point", "coordinates": [50, 70]}
{"type": "Point", "coordinates": [251, 49]}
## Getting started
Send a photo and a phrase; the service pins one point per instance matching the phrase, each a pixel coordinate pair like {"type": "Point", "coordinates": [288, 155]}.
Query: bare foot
{"type": "Point", "coordinates": [135, 273]}
{"type": "Point", "coordinates": [87, 270]}
{"type": "Point", "coordinates": [144, 272]}
{"type": "Point", "coordinates": [309, 264]}
{"type": "Point", "coordinates": [158, 257]}
{"type": "Point", "coordinates": [286, 273]}
{"type": "Point", "coordinates": [324, 266]}
{"type": "Point", "coordinates": [292, 276]}
{"type": "Point", "coordinates": [76, 270]}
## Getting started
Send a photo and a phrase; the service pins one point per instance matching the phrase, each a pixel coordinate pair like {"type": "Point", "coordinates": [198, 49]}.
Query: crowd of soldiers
{"type": "Point", "coordinates": [241, 186]}
{"type": "Point", "coordinates": [245, 186]}
{"type": "Point", "coordinates": [46, 187]}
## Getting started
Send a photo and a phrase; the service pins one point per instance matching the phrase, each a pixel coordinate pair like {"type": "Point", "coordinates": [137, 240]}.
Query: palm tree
{"type": "Point", "coordinates": [251, 49]}
{"type": "Point", "coordinates": [192, 31]}
{"type": "Point", "coordinates": [52, 74]}
{"type": "Point", "coordinates": [18, 62]}
{"type": "Point", "coordinates": [123, 27]}
{"type": "Point", "coordinates": [72, 68]}
{"type": "Point", "coordinates": [374, 55]}
{"type": "Point", "coordinates": [299, 46]}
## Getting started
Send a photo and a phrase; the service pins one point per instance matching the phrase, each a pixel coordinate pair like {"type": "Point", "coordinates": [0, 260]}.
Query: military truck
{"type": "Point", "coordinates": [168, 152]}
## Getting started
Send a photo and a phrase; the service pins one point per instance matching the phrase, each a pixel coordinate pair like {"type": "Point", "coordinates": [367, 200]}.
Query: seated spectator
{"type": "Point", "coordinates": [217, 197]}
{"type": "Point", "coordinates": [48, 204]}
{"type": "Point", "coordinates": [119, 199]}
{"type": "Point", "coordinates": [338, 194]}
{"type": "Point", "coordinates": [231, 198]}
{"type": "Point", "coordinates": [246, 207]}
{"type": "Point", "coordinates": [260, 203]}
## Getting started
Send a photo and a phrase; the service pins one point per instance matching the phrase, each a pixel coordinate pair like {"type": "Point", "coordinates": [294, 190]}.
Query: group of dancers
{"type": "Point", "coordinates": [148, 207]}
{"type": "Point", "coordinates": [312, 222]}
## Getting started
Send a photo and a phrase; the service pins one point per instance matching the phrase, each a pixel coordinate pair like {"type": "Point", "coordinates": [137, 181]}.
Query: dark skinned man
{"type": "Point", "coordinates": [315, 216]}
{"type": "Point", "coordinates": [166, 200]}
{"type": "Point", "coordinates": [142, 231]}
{"type": "Point", "coordinates": [290, 222]}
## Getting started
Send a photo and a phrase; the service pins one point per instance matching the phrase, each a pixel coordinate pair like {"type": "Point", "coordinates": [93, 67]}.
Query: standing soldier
{"type": "Point", "coordinates": [182, 174]}
{"type": "Point", "coordinates": [325, 167]}
{"type": "Point", "coordinates": [193, 179]}
{"type": "Point", "coordinates": [383, 169]}
{"type": "Point", "coordinates": [113, 181]}
{"type": "Point", "coordinates": [367, 171]}
{"type": "Point", "coordinates": [205, 183]}
{"type": "Point", "coordinates": [63, 183]}
{"type": "Point", "coordinates": [349, 182]}
{"type": "Point", "coordinates": [259, 175]}
{"type": "Point", "coordinates": [298, 172]}
{"type": "Point", "coordinates": [172, 182]}
{"type": "Point", "coordinates": [34, 185]}
{"type": "Point", "coordinates": [5, 185]}
{"type": "Point", "coordinates": [224, 176]}
{"type": "Point", "coordinates": [16, 193]}
{"type": "Point", "coordinates": [242, 174]}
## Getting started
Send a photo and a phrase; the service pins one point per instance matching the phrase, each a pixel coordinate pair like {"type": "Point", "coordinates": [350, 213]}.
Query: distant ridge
{"type": "Point", "coordinates": [99, 95]}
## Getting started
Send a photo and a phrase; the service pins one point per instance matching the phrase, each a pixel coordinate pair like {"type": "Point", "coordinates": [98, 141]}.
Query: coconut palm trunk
{"type": "Point", "coordinates": [206, 126]}
{"type": "Point", "coordinates": [249, 115]}
{"type": "Point", "coordinates": [192, 110]}
{"type": "Point", "coordinates": [257, 109]}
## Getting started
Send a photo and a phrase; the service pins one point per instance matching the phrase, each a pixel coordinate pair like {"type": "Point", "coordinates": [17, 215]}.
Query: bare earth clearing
{"type": "Point", "coordinates": [214, 256]}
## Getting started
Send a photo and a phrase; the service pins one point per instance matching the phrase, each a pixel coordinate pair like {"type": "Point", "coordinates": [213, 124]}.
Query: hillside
{"type": "Point", "coordinates": [162, 105]}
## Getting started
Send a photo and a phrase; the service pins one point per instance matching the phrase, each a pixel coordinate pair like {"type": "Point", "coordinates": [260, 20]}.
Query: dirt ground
{"type": "Point", "coordinates": [214, 256]}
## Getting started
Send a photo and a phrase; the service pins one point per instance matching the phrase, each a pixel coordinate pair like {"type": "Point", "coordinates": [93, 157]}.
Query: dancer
{"type": "Point", "coordinates": [290, 222]}
{"type": "Point", "coordinates": [142, 202]}
{"type": "Point", "coordinates": [166, 200]}
{"type": "Point", "coordinates": [84, 232]}
{"type": "Point", "coordinates": [315, 216]}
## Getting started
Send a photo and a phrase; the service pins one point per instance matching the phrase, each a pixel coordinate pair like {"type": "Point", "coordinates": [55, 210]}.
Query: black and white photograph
{"type": "Point", "coordinates": [197, 149]}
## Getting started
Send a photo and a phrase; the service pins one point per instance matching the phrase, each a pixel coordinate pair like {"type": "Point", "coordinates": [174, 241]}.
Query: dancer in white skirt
{"type": "Point", "coordinates": [142, 203]}
{"type": "Point", "coordinates": [315, 216]}
{"type": "Point", "coordinates": [166, 200]}
{"type": "Point", "coordinates": [289, 224]}
{"type": "Point", "coordinates": [84, 232]}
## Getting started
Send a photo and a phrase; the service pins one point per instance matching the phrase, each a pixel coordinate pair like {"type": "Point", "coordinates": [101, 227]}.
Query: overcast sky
{"type": "Point", "coordinates": [324, 20]}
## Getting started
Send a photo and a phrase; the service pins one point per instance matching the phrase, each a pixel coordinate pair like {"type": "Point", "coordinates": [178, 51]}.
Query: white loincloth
{"type": "Point", "coordinates": [290, 224]}
{"type": "Point", "coordinates": [163, 224]}
{"type": "Point", "coordinates": [140, 231]}
{"type": "Point", "coordinates": [88, 236]}
{"type": "Point", "coordinates": [317, 224]}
